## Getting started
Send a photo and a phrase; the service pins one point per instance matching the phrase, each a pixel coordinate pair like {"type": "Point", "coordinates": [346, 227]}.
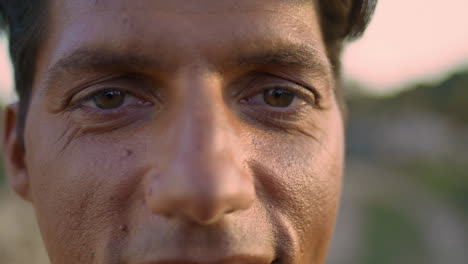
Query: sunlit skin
{"type": "Point", "coordinates": [170, 132]}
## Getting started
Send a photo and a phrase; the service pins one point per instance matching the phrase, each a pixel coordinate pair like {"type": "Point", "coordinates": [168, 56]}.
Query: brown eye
{"type": "Point", "coordinates": [278, 97]}
{"type": "Point", "coordinates": [109, 99]}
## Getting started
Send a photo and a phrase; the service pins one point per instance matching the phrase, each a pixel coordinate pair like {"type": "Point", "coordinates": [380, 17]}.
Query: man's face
{"type": "Point", "coordinates": [178, 132]}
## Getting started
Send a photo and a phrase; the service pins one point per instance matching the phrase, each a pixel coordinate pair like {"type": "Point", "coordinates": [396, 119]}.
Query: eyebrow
{"type": "Point", "coordinates": [289, 55]}
{"type": "Point", "coordinates": [87, 59]}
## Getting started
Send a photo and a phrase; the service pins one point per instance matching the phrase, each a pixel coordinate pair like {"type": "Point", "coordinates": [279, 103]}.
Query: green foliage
{"type": "Point", "coordinates": [2, 172]}
{"type": "Point", "coordinates": [392, 236]}
{"type": "Point", "coordinates": [449, 97]}
{"type": "Point", "coordinates": [445, 178]}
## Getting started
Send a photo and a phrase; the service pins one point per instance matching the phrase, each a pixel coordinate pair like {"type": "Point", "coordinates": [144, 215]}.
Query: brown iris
{"type": "Point", "coordinates": [109, 99]}
{"type": "Point", "coordinates": [278, 97]}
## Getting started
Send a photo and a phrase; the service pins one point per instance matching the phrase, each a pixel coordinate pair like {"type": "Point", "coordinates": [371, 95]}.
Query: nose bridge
{"type": "Point", "coordinates": [201, 119]}
{"type": "Point", "coordinates": [204, 176]}
{"type": "Point", "coordinates": [203, 129]}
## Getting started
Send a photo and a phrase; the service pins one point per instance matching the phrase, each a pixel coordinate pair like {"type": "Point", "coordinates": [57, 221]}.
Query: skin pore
{"type": "Point", "coordinates": [179, 131]}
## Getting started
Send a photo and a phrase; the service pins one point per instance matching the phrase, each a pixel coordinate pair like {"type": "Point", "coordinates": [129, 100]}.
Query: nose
{"type": "Point", "coordinates": [204, 177]}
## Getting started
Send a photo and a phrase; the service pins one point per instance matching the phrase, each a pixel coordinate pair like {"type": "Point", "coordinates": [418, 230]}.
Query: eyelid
{"type": "Point", "coordinates": [89, 92]}
{"type": "Point", "coordinates": [299, 92]}
{"type": "Point", "coordinates": [261, 81]}
{"type": "Point", "coordinates": [91, 95]}
{"type": "Point", "coordinates": [306, 93]}
{"type": "Point", "coordinates": [315, 101]}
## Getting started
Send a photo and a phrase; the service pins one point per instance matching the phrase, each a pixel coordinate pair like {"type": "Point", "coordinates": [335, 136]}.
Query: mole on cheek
{"type": "Point", "coordinates": [128, 153]}
{"type": "Point", "coordinates": [123, 228]}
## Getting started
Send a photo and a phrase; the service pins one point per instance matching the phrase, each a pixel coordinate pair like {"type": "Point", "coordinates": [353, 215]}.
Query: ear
{"type": "Point", "coordinates": [14, 154]}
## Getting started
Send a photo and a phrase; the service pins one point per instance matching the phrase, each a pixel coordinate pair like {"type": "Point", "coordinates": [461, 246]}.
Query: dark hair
{"type": "Point", "coordinates": [24, 21]}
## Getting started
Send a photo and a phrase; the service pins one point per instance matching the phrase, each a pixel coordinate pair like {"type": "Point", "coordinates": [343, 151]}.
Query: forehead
{"type": "Point", "coordinates": [70, 11]}
{"type": "Point", "coordinates": [189, 21]}
{"type": "Point", "coordinates": [180, 6]}
{"type": "Point", "coordinates": [181, 32]}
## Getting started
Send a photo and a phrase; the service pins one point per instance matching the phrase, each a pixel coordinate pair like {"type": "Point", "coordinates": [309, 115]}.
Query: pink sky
{"type": "Point", "coordinates": [6, 81]}
{"type": "Point", "coordinates": [407, 40]}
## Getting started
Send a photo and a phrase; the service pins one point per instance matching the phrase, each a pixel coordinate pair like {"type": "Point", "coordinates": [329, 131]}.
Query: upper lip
{"type": "Point", "coordinates": [235, 259]}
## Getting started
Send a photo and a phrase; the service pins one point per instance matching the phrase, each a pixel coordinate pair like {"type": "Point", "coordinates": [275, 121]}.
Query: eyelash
{"type": "Point", "coordinates": [79, 103]}
{"type": "Point", "coordinates": [313, 98]}
{"type": "Point", "coordinates": [317, 99]}
{"type": "Point", "coordinates": [305, 93]}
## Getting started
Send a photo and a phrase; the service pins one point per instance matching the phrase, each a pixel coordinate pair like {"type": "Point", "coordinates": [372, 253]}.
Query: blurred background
{"type": "Point", "coordinates": [405, 196]}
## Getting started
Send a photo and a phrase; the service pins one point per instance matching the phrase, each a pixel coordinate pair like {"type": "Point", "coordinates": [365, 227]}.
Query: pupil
{"type": "Point", "coordinates": [109, 95]}
{"type": "Point", "coordinates": [109, 99]}
{"type": "Point", "coordinates": [278, 97]}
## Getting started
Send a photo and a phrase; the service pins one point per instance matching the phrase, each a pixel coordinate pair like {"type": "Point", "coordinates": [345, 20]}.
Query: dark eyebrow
{"type": "Point", "coordinates": [88, 60]}
{"type": "Point", "coordinates": [290, 55]}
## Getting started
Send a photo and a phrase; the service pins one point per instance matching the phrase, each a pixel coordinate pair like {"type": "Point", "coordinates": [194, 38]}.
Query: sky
{"type": "Point", "coordinates": [407, 41]}
{"type": "Point", "coordinates": [6, 83]}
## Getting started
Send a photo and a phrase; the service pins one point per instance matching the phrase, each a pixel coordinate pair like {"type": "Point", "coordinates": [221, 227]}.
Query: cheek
{"type": "Point", "coordinates": [78, 191]}
{"type": "Point", "coordinates": [307, 182]}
